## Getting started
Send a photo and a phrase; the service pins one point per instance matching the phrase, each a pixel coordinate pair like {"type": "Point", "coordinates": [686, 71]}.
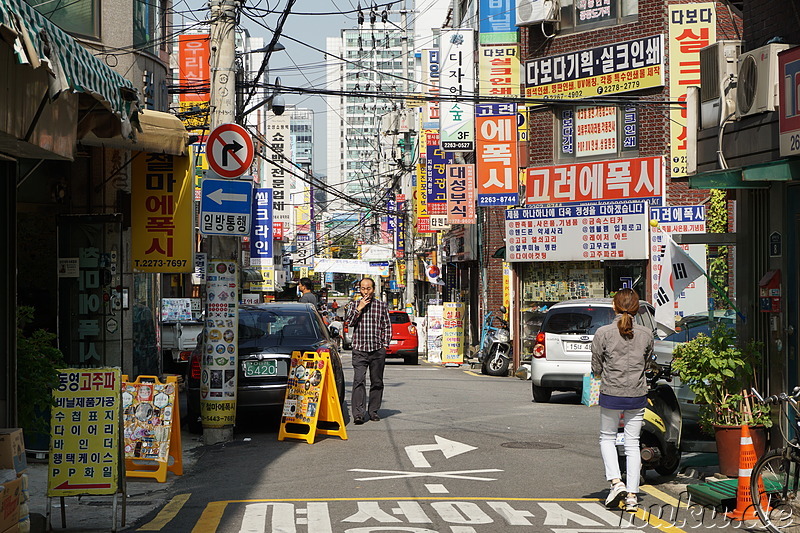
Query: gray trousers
{"type": "Point", "coordinates": [375, 361]}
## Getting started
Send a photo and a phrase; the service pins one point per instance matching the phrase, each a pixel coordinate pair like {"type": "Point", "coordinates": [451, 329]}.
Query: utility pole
{"type": "Point", "coordinates": [406, 178]}
{"type": "Point", "coordinates": [223, 111]}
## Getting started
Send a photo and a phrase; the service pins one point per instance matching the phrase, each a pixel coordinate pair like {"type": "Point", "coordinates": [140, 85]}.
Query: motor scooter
{"type": "Point", "coordinates": [494, 351]}
{"type": "Point", "coordinates": [660, 439]}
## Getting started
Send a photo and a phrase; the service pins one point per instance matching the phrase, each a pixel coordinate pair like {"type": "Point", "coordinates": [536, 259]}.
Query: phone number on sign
{"type": "Point", "coordinates": [143, 263]}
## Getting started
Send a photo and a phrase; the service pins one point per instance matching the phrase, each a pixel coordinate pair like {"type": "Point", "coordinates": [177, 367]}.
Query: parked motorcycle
{"type": "Point", "coordinates": [494, 351]}
{"type": "Point", "coordinates": [660, 440]}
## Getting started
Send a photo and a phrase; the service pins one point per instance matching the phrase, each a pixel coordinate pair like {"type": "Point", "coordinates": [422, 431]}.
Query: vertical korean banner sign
{"type": "Point", "coordinates": [279, 178]}
{"type": "Point", "coordinates": [218, 376]}
{"type": "Point", "coordinates": [435, 316]}
{"type": "Point", "coordinates": [85, 425]}
{"type": "Point", "coordinates": [461, 194]}
{"type": "Point", "coordinates": [691, 27]}
{"type": "Point", "coordinates": [194, 75]}
{"type": "Point", "coordinates": [496, 155]}
{"type": "Point", "coordinates": [453, 333]}
{"type": "Point", "coordinates": [457, 78]}
{"type": "Point", "coordinates": [162, 214]}
{"type": "Point", "coordinates": [261, 256]}
{"type": "Point", "coordinates": [436, 159]}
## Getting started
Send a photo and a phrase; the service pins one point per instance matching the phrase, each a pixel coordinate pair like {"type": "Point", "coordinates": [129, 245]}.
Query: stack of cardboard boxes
{"type": "Point", "coordinates": [14, 514]}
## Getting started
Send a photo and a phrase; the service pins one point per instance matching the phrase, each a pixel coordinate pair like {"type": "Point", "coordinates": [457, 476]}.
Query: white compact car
{"type": "Point", "coordinates": [562, 353]}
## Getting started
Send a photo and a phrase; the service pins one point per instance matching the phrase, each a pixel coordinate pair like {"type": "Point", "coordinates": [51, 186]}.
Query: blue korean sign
{"type": "Point", "coordinates": [498, 16]}
{"type": "Point", "coordinates": [261, 236]}
{"type": "Point", "coordinates": [225, 207]}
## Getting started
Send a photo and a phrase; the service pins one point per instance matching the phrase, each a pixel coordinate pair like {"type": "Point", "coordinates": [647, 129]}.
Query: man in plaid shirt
{"type": "Point", "coordinates": [368, 319]}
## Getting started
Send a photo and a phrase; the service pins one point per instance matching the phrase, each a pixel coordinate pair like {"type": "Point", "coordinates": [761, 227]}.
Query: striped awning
{"type": "Point", "coordinates": [41, 44]}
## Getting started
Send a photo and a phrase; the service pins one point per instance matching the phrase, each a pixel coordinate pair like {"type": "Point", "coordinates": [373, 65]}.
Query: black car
{"type": "Point", "coordinates": [268, 334]}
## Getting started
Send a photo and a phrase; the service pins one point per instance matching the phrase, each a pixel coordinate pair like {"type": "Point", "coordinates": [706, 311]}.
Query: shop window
{"type": "Point", "coordinates": [78, 17]}
{"type": "Point", "coordinates": [597, 132]}
{"type": "Point", "coordinates": [580, 15]}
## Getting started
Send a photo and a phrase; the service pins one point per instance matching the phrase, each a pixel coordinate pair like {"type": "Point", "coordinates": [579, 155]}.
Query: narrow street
{"type": "Point", "coordinates": [454, 452]}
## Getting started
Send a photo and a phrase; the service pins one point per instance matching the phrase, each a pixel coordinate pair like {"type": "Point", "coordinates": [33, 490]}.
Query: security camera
{"type": "Point", "coordinates": [278, 105]}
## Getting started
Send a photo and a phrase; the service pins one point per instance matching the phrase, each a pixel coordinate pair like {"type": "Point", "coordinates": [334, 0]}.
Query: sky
{"type": "Point", "coordinates": [300, 65]}
{"type": "Point", "coordinates": [311, 22]}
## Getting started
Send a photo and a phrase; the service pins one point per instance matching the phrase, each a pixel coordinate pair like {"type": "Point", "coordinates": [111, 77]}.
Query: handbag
{"type": "Point", "coordinates": [591, 390]}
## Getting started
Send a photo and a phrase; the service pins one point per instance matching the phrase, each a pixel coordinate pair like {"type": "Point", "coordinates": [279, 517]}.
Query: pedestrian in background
{"type": "Point", "coordinates": [368, 320]}
{"type": "Point", "coordinates": [305, 287]}
{"type": "Point", "coordinates": [620, 353]}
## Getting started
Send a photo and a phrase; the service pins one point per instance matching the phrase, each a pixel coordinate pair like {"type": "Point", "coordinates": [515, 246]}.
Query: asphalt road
{"type": "Point", "coordinates": [455, 452]}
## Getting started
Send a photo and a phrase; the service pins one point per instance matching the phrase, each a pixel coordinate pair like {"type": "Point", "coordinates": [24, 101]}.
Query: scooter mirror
{"type": "Point", "coordinates": [503, 309]}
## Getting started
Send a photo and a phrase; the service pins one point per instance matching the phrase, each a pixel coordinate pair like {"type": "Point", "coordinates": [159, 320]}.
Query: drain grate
{"type": "Point", "coordinates": [532, 445]}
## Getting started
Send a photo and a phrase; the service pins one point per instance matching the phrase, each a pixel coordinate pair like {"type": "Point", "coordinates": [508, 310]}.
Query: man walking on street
{"type": "Point", "coordinates": [305, 286]}
{"type": "Point", "coordinates": [369, 321]}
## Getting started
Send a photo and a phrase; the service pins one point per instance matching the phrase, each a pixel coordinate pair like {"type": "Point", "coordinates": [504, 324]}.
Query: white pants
{"type": "Point", "coordinates": [609, 422]}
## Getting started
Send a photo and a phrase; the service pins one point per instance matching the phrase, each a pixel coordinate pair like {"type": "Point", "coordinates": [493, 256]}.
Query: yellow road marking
{"type": "Point", "coordinates": [661, 495]}
{"type": "Point", "coordinates": [212, 514]}
{"type": "Point", "coordinates": [471, 373]}
{"type": "Point", "coordinates": [166, 514]}
{"type": "Point", "coordinates": [658, 523]}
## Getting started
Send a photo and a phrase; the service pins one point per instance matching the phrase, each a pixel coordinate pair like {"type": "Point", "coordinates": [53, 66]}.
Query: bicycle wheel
{"type": "Point", "coordinates": [774, 491]}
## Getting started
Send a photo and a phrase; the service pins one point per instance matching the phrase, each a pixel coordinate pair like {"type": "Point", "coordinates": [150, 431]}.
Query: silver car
{"type": "Point", "coordinates": [562, 353]}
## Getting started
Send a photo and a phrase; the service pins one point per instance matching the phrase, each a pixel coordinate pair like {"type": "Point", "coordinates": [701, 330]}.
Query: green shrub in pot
{"type": "Point", "coordinates": [720, 371]}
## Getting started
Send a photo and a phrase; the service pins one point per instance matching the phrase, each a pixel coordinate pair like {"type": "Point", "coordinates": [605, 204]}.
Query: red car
{"type": "Point", "coordinates": [404, 341]}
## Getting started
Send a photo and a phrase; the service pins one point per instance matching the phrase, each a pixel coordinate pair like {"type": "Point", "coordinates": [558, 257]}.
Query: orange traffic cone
{"type": "Point", "coordinates": [745, 510]}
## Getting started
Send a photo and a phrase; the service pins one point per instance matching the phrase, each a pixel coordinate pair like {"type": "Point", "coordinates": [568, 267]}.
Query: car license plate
{"type": "Point", "coordinates": [393, 341]}
{"type": "Point", "coordinates": [577, 346]}
{"type": "Point", "coordinates": [253, 369]}
{"type": "Point", "coordinates": [620, 441]}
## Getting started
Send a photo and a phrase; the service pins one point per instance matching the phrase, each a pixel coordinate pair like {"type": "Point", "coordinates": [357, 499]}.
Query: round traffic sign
{"type": "Point", "coordinates": [229, 150]}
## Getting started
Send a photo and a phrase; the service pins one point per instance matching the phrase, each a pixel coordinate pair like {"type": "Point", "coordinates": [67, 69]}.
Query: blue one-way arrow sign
{"type": "Point", "coordinates": [225, 207]}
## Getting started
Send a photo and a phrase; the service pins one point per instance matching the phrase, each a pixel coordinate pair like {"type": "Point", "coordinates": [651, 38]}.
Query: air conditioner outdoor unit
{"type": "Point", "coordinates": [757, 84]}
{"type": "Point", "coordinates": [535, 11]}
{"type": "Point", "coordinates": [718, 68]}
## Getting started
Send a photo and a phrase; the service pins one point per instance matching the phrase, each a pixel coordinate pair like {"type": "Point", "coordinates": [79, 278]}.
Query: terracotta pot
{"type": "Point", "coordinates": [729, 444]}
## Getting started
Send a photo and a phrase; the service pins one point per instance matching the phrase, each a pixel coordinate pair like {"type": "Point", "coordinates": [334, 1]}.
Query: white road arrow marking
{"type": "Point", "coordinates": [398, 474]}
{"type": "Point", "coordinates": [449, 448]}
{"type": "Point", "coordinates": [218, 196]}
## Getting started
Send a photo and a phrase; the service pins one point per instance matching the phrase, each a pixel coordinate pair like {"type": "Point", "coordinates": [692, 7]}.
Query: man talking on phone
{"type": "Point", "coordinates": [369, 321]}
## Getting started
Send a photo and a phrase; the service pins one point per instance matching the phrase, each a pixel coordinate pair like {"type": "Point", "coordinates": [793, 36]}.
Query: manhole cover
{"type": "Point", "coordinates": [532, 445]}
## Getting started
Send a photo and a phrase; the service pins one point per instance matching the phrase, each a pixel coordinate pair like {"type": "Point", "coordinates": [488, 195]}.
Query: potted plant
{"type": "Point", "coordinates": [720, 371]}
{"type": "Point", "coordinates": [38, 361]}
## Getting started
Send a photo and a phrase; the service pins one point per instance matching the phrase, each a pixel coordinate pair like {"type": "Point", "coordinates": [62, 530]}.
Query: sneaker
{"type": "Point", "coordinates": [631, 503]}
{"type": "Point", "coordinates": [616, 495]}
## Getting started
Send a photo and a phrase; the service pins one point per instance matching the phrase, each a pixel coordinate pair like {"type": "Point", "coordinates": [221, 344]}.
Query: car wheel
{"type": "Point", "coordinates": [541, 394]}
{"type": "Point", "coordinates": [411, 359]}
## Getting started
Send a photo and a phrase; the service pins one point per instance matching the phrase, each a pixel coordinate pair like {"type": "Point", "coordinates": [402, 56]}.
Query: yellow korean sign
{"type": "Point", "coordinates": [499, 70]}
{"type": "Point", "coordinates": [691, 27]}
{"type": "Point", "coordinates": [84, 439]}
{"type": "Point", "coordinates": [453, 332]}
{"type": "Point", "coordinates": [268, 275]}
{"type": "Point", "coordinates": [162, 214]}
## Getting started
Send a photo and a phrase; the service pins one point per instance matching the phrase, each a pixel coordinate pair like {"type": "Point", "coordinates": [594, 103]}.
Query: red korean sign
{"type": "Point", "coordinates": [496, 155]}
{"type": "Point", "coordinates": [460, 194]}
{"type": "Point", "coordinates": [638, 178]}
{"type": "Point", "coordinates": [193, 67]}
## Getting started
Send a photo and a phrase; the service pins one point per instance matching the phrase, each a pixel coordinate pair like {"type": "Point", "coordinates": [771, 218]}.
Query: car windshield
{"type": "Point", "coordinates": [579, 320]}
{"type": "Point", "coordinates": [267, 328]}
{"type": "Point", "coordinates": [399, 318]}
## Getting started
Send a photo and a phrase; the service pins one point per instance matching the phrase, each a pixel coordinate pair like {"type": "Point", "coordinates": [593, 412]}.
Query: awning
{"type": "Point", "coordinates": [750, 177]}
{"type": "Point", "coordinates": [40, 43]}
{"type": "Point", "coordinates": [161, 133]}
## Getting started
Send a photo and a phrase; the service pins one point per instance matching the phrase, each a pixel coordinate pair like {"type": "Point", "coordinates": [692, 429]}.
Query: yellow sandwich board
{"type": "Point", "coordinates": [311, 399]}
